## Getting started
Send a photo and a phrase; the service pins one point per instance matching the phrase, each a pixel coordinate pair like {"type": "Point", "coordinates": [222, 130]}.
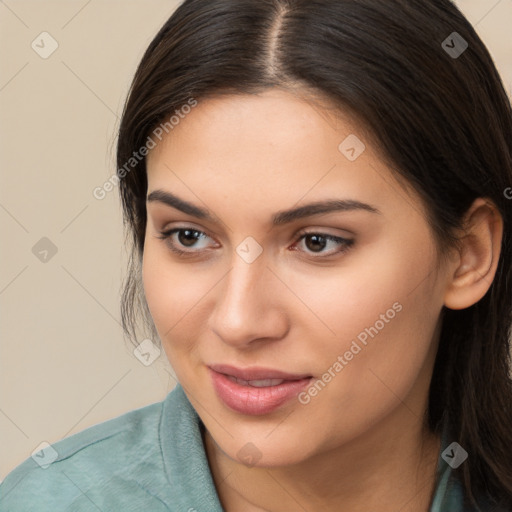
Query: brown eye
{"type": "Point", "coordinates": [188, 237]}
{"type": "Point", "coordinates": [317, 242]}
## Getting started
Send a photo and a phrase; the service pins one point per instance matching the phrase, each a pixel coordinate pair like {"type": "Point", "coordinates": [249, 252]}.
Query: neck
{"type": "Point", "coordinates": [392, 466]}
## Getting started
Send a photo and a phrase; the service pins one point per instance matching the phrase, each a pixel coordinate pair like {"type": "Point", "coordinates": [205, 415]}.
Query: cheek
{"type": "Point", "coordinates": [173, 296]}
{"type": "Point", "coordinates": [367, 291]}
{"type": "Point", "coordinates": [384, 313]}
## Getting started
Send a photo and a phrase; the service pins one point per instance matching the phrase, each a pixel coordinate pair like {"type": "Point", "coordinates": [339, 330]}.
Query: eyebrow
{"type": "Point", "coordinates": [279, 218]}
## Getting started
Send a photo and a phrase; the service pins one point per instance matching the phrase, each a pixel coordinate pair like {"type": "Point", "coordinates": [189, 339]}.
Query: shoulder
{"type": "Point", "coordinates": [450, 494]}
{"type": "Point", "coordinates": [105, 456]}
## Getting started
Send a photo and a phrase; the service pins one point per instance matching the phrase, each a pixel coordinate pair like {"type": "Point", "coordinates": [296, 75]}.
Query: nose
{"type": "Point", "coordinates": [249, 305]}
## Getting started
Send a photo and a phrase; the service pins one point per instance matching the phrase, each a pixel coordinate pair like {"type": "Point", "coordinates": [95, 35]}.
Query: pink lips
{"type": "Point", "coordinates": [261, 397]}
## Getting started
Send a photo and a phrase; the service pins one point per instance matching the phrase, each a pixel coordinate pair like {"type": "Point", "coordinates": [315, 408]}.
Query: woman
{"type": "Point", "coordinates": [318, 195]}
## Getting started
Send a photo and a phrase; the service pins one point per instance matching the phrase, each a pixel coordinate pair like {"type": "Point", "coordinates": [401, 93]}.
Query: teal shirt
{"type": "Point", "coordinates": [151, 458]}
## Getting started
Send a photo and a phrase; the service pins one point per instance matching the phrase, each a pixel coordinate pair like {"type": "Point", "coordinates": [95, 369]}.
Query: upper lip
{"type": "Point", "coordinates": [256, 373]}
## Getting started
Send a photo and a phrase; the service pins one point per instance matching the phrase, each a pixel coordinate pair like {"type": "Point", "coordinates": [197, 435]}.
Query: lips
{"type": "Point", "coordinates": [256, 373]}
{"type": "Point", "coordinates": [255, 391]}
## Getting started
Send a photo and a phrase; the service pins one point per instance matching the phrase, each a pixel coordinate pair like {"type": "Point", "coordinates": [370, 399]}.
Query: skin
{"type": "Point", "coordinates": [361, 441]}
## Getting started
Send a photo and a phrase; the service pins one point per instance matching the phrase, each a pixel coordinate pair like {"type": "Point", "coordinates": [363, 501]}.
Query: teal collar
{"type": "Point", "coordinates": [187, 467]}
{"type": "Point", "coordinates": [184, 456]}
{"type": "Point", "coordinates": [448, 496]}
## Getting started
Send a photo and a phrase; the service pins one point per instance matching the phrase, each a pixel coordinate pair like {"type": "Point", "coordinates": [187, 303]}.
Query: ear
{"type": "Point", "coordinates": [474, 266]}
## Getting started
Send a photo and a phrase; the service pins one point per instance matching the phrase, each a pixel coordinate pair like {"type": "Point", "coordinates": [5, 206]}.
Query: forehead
{"type": "Point", "coordinates": [270, 148]}
{"type": "Point", "coordinates": [272, 118]}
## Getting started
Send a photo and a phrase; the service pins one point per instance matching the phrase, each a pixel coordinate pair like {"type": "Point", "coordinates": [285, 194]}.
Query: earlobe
{"type": "Point", "coordinates": [478, 254]}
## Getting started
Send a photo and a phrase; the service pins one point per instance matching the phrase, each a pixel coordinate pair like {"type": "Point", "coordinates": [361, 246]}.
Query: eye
{"type": "Point", "coordinates": [317, 242]}
{"type": "Point", "coordinates": [183, 241]}
{"type": "Point", "coordinates": [186, 238]}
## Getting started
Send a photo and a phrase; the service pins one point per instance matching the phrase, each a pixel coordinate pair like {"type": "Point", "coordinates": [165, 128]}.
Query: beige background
{"type": "Point", "coordinates": [64, 363]}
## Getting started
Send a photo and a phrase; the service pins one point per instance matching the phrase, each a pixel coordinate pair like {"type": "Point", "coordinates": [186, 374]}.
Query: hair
{"type": "Point", "coordinates": [443, 124]}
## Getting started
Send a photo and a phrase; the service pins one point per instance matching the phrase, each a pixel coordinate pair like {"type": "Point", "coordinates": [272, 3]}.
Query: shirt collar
{"type": "Point", "coordinates": [448, 495]}
{"type": "Point", "coordinates": [185, 462]}
{"type": "Point", "coordinates": [190, 479]}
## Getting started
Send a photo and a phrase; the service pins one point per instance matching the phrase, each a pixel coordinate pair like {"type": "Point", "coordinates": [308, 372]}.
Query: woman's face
{"type": "Point", "coordinates": [351, 319]}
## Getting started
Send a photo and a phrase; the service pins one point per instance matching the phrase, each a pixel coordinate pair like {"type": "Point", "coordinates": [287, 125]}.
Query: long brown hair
{"type": "Point", "coordinates": [436, 109]}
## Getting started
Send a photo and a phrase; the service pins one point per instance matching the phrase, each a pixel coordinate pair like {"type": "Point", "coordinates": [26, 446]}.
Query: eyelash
{"type": "Point", "coordinates": [166, 237]}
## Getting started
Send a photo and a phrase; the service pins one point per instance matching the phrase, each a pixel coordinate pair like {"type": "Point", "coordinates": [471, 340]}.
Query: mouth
{"type": "Point", "coordinates": [256, 373]}
{"type": "Point", "coordinates": [257, 390]}
{"type": "Point", "coordinates": [261, 383]}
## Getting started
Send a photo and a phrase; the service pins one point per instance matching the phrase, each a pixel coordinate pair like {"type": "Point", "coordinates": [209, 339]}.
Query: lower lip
{"type": "Point", "coordinates": [252, 400]}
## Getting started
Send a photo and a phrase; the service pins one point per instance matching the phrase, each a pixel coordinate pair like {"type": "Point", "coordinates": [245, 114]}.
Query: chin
{"type": "Point", "coordinates": [266, 453]}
